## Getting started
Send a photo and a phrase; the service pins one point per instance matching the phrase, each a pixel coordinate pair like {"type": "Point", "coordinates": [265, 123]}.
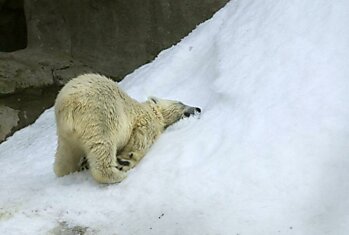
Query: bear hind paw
{"type": "Point", "coordinates": [83, 164]}
{"type": "Point", "coordinates": [108, 175]}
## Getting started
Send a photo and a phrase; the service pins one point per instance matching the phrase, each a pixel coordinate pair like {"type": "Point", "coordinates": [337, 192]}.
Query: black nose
{"type": "Point", "coordinates": [186, 114]}
{"type": "Point", "coordinates": [198, 110]}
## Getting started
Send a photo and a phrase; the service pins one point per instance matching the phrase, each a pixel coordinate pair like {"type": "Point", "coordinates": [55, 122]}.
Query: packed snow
{"type": "Point", "coordinates": [269, 154]}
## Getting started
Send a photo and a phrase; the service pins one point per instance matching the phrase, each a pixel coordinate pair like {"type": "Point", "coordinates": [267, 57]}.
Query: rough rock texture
{"type": "Point", "coordinates": [36, 68]}
{"type": "Point", "coordinates": [9, 119]}
{"type": "Point", "coordinates": [21, 109]}
{"type": "Point", "coordinates": [68, 37]}
{"type": "Point", "coordinates": [114, 36]}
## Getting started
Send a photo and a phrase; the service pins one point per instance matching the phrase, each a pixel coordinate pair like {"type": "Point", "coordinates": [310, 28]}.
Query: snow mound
{"type": "Point", "coordinates": [269, 154]}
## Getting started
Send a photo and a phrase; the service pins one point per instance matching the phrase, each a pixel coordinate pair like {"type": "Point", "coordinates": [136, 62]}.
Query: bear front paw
{"type": "Point", "coordinates": [126, 161]}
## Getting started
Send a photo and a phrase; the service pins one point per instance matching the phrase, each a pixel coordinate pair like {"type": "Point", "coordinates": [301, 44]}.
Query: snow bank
{"type": "Point", "coordinates": [269, 154]}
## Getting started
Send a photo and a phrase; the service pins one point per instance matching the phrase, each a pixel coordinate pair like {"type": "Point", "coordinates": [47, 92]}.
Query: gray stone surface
{"type": "Point", "coordinates": [21, 109]}
{"type": "Point", "coordinates": [9, 119]}
{"type": "Point", "coordinates": [114, 36]}
{"type": "Point", "coordinates": [31, 68]}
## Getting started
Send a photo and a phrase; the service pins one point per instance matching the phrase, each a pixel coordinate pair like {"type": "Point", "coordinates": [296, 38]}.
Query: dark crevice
{"type": "Point", "coordinates": [13, 27]}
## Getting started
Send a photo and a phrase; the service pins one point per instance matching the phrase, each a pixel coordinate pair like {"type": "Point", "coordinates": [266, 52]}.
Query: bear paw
{"type": "Point", "coordinates": [108, 175]}
{"type": "Point", "coordinates": [126, 162]}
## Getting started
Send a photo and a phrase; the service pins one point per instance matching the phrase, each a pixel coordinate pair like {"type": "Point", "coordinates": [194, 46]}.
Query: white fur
{"type": "Point", "coordinates": [96, 119]}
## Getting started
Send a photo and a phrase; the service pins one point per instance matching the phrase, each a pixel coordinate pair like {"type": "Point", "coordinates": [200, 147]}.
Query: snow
{"type": "Point", "coordinates": [269, 154]}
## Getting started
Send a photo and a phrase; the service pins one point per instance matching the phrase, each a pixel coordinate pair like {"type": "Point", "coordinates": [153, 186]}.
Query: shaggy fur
{"type": "Point", "coordinates": [100, 125]}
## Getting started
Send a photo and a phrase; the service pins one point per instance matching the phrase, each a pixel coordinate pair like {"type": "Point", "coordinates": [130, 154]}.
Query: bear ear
{"type": "Point", "coordinates": [153, 99]}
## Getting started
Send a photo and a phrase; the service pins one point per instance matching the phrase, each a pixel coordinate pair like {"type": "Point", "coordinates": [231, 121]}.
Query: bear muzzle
{"type": "Point", "coordinates": [192, 111]}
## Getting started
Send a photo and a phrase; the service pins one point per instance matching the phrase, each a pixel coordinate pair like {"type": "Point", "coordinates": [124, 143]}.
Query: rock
{"type": "Point", "coordinates": [36, 68]}
{"type": "Point", "coordinates": [114, 36]}
{"type": "Point", "coordinates": [22, 109]}
{"type": "Point", "coordinates": [17, 73]}
{"type": "Point", "coordinates": [9, 119]}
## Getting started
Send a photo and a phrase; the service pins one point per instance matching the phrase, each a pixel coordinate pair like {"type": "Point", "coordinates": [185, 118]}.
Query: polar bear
{"type": "Point", "coordinates": [99, 122]}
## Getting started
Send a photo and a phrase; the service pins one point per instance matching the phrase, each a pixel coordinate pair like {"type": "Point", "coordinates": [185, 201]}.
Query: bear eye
{"type": "Point", "coordinates": [154, 100]}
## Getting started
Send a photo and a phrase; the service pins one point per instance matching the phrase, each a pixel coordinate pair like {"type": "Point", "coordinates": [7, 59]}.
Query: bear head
{"type": "Point", "coordinates": [172, 110]}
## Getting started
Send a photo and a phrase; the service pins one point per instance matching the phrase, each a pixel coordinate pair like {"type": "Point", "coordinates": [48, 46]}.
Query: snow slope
{"type": "Point", "coordinates": [269, 155]}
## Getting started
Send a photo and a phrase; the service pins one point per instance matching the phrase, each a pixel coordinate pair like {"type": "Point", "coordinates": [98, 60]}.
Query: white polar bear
{"type": "Point", "coordinates": [99, 122]}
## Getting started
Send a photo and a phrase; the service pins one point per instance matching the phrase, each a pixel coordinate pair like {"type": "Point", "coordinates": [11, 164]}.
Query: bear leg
{"type": "Point", "coordinates": [102, 161]}
{"type": "Point", "coordinates": [67, 157]}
